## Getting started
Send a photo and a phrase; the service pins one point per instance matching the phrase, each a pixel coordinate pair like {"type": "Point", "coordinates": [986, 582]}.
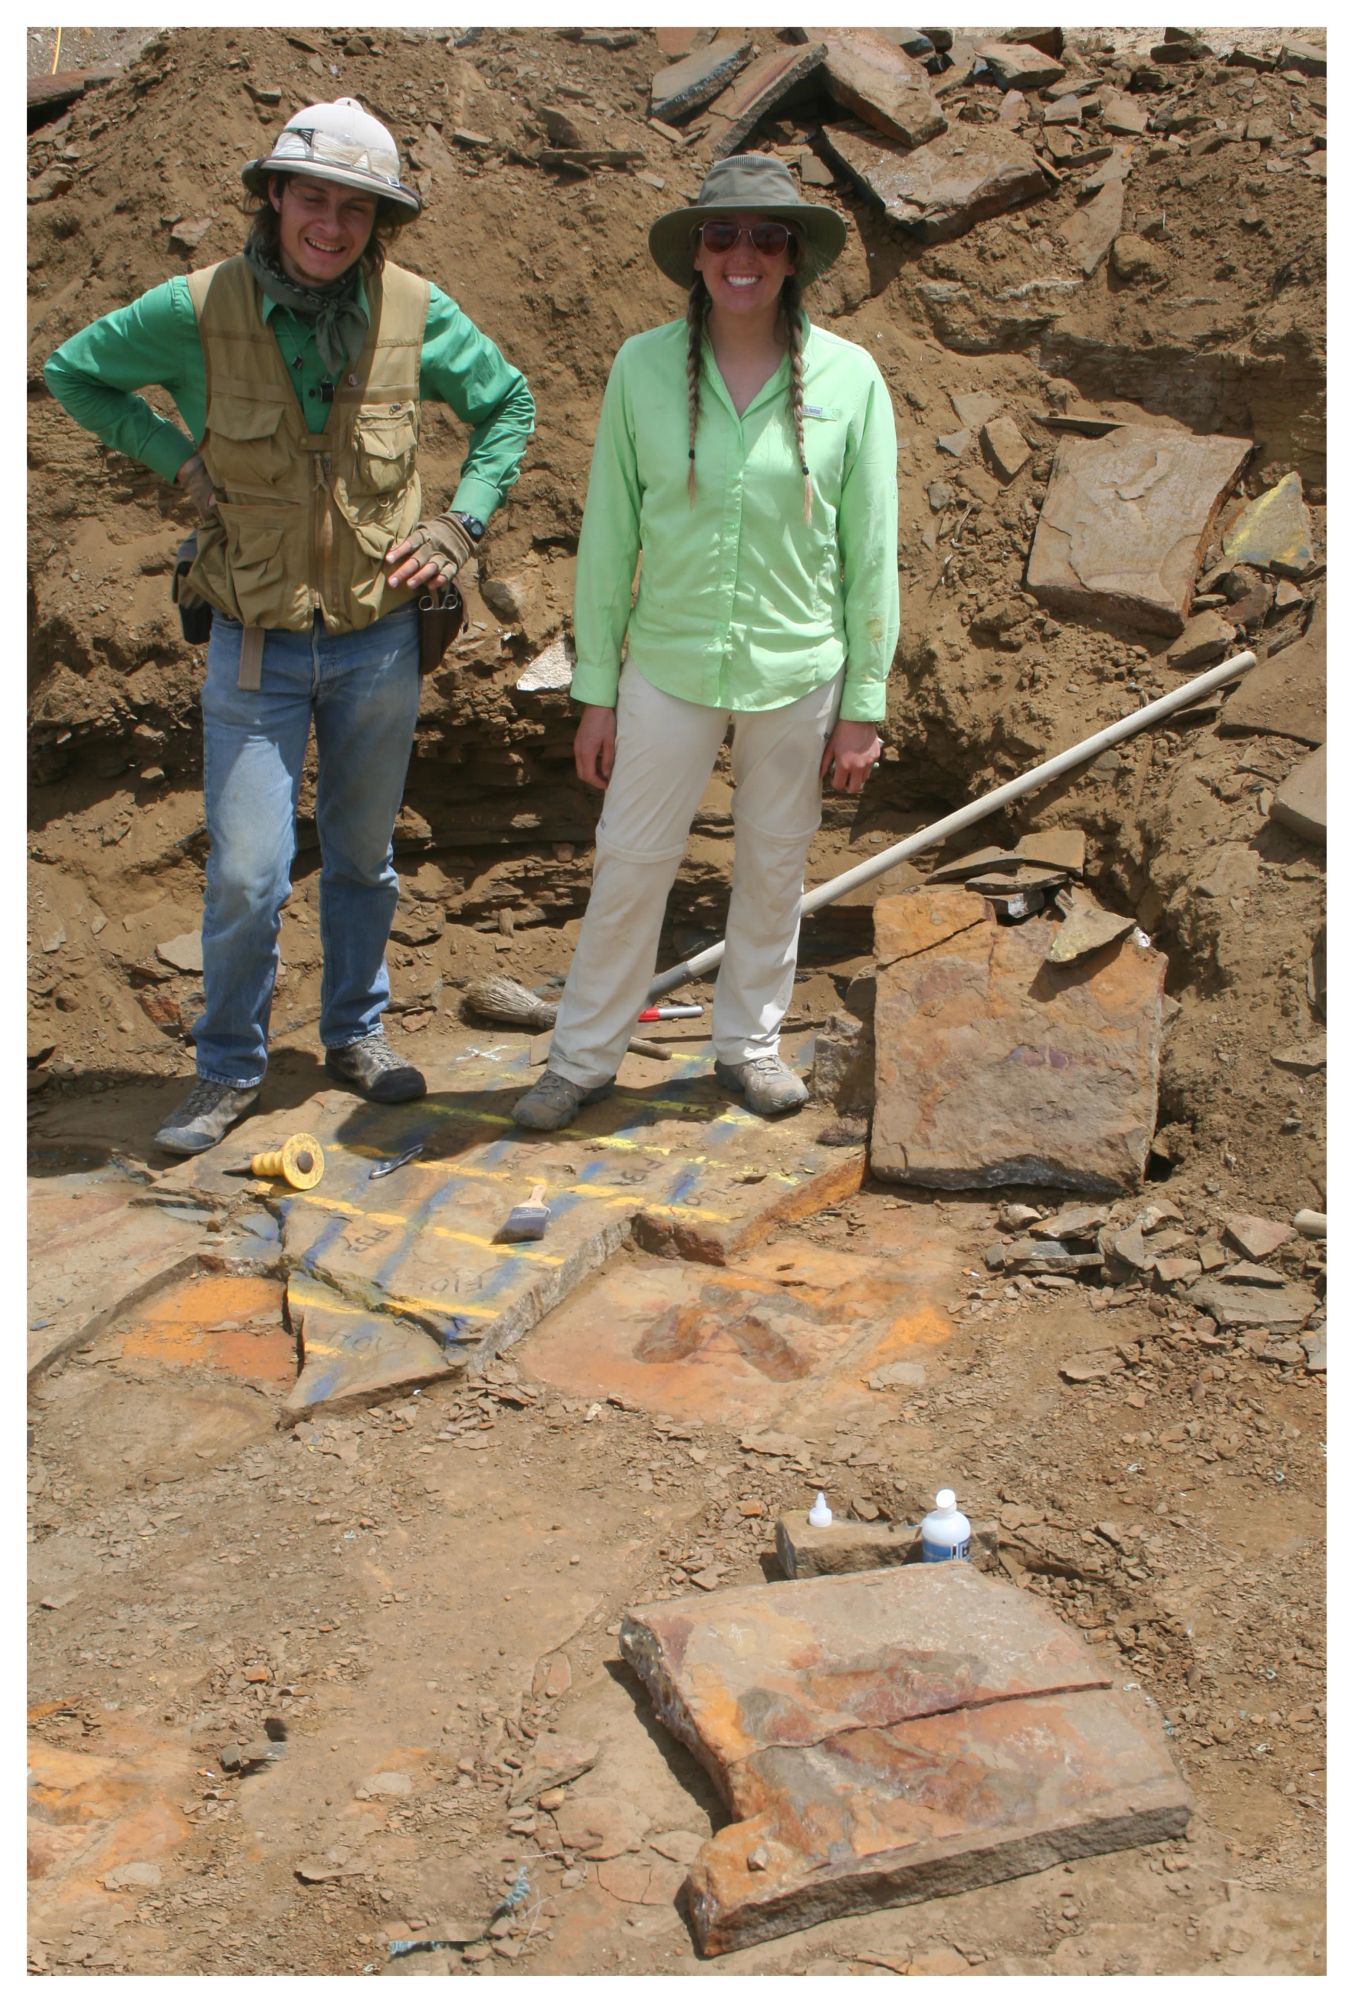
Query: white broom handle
{"type": "Point", "coordinates": [942, 829]}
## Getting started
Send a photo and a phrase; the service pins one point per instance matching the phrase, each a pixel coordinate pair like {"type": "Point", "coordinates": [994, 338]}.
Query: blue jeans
{"type": "Point", "coordinates": [361, 689]}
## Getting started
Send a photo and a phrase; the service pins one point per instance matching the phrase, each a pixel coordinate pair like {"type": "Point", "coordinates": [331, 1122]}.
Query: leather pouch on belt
{"type": "Point", "coordinates": [442, 614]}
{"type": "Point", "coordinates": [195, 613]}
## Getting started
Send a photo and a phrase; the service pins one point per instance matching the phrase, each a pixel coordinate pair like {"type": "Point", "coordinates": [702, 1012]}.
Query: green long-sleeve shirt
{"type": "Point", "coordinates": [742, 604]}
{"type": "Point", "coordinates": [155, 339]}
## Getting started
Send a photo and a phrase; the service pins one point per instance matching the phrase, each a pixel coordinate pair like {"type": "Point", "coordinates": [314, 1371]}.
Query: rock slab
{"type": "Point", "coordinates": [874, 79]}
{"type": "Point", "coordinates": [946, 186]}
{"type": "Point", "coordinates": [891, 1736]}
{"type": "Point", "coordinates": [756, 94]}
{"type": "Point", "coordinates": [1301, 801]}
{"type": "Point", "coordinates": [684, 87]}
{"type": "Point", "coordinates": [996, 1067]}
{"type": "Point", "coordinates": [1125, 521]}
{"type": "Point", "coordinates": [1285, 695]}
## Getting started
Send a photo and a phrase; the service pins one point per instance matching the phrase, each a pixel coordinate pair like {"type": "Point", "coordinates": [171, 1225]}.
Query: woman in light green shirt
{"type": "Point", "coordinates": [745, 459]}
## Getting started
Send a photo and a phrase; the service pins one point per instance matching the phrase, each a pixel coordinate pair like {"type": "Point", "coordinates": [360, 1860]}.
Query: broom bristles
{"type": "Point", "coordinates": [499, 998]}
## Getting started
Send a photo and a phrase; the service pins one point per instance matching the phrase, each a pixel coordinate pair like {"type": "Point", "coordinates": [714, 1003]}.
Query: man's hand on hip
{"type": "Point", "coordinates": [431, 554]}
{"type": "Point", "coordinates": [196, 481]}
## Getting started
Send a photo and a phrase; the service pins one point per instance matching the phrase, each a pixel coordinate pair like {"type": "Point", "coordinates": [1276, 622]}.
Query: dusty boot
{"type": "Point", "coordinates": [553, 1101]}
{"type": "Point", "coordinates": [206, 1115]}
{"type": "Point", "coordinates": [372, 1067]}
{"type": "Point", "coordinates": [766, 1084]}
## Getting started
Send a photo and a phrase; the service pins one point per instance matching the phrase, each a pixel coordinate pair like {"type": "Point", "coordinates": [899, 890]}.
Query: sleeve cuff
{"type": "Point", "coordinates": [477, 497]}
{"type": "Point", "coordinates": [595, 685]}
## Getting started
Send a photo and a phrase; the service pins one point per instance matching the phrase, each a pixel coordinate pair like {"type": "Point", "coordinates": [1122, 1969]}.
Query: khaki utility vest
{"type": "Point", "coordinates": [303, 519]}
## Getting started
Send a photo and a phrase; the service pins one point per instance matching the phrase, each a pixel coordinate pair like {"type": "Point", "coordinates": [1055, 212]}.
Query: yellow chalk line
{"type": "Point", "coordinates": [442, 1308]}
{"type": "Point", "coordinates": [393, 1219]}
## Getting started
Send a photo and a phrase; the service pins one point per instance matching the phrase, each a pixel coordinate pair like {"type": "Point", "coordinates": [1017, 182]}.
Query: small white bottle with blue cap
{"type": "Point", "coordinates": [946, 1531]}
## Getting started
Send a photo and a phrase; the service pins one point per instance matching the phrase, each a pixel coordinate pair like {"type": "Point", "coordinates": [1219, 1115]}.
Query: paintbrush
{"type": "Point", "coordinates": [527, 1222]}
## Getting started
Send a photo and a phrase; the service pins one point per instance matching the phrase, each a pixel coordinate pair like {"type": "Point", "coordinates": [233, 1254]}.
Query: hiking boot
{"type": "Point", "coordinates": [553, 1101]}
{"type": "Point", "coordinates": [372, 1068]}
{"type": "Point", "coordinates": [206, 1115]}
{"type": "Point", "coordinates": [765, 1083]}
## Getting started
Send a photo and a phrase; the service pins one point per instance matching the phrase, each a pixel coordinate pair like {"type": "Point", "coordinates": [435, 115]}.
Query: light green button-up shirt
{"type": "Point", "coordinates": [96, 373]}
{"type": "Point", "coordinates": [742, 604]}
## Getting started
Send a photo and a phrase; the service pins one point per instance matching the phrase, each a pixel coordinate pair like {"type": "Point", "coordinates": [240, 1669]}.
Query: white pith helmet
{"type": "Point", "coordinates": [336, 142]}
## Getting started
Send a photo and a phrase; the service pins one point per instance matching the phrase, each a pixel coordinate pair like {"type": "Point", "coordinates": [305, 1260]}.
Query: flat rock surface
{"type": "Point", "coordinates": [891, 1736]}
{"type": "Point", "coordinates": [993, 1066]}
{"type": "Point", "coordinates": [775, 1338]}
{"type": "Point", "coordinates": [1285, 695]}
{"type": "Point", "coordinates": [400, 1280]}
{"type": "Point", "coordinates": [941, 188]}
{"type": "Point", "coordinates": [1125, 520]}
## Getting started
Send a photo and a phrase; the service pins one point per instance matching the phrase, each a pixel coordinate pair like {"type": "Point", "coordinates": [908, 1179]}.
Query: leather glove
{"type": "Point", "coordinates": [196, 481]}
{"type": "Point", "coordinates": [443, 541]}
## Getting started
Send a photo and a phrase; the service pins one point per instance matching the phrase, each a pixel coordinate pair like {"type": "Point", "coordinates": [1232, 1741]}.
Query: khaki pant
{"type": "Point", "coordinates": [666, 749]}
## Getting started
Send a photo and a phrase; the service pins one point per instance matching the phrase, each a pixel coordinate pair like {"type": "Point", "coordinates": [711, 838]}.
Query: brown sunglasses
{"type": "Point", "coordinates": [769, 239]}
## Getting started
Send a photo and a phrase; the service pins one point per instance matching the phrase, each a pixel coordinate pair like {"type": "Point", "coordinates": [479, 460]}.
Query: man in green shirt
{"type": "Point", "coordinates": [298, 369]}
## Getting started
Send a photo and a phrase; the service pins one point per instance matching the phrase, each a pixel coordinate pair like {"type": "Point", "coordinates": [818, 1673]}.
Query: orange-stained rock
{"type": "Point", "coordinates": [995, 1067]}
{"type": "Point", "coordinates": [781, 1334]}
{"type": "Point", "coordinates": [891, 1737]}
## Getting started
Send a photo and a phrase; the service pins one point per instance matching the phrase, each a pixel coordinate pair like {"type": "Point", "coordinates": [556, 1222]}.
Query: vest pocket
{"type": "Point", "coordinates": [252, 546]}
{"type": "Point", "coordinates": [384, 441]}
{"type": "Point", "coordinates": [242, 448]}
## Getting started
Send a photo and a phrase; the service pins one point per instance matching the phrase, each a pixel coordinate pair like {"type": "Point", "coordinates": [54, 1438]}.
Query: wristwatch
{"type": "Point", "coordinates": [475, 528]}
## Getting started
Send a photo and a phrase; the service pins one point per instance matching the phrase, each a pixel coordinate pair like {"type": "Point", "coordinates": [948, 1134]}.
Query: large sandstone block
{"type": "Point", "coordinates": [946, 186]}
{"type": "Point", "coordinates": [994, 1066]}
{"type": "Point", "coordinates": [1125, 522]}
{"type": "Point", "coordinates": [874, 79]}
{"type": "Point", "coordinates": [887, 1737]}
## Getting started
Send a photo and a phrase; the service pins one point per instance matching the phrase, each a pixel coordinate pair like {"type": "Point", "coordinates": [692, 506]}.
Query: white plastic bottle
{"type": "Point", "coordinates": [946, 1531]}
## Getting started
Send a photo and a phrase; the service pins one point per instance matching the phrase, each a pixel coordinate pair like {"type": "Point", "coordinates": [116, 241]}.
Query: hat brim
{"type": "Point", "coordinates": [821, 232]}
{"type": "Point", "coordinates": [256, 178]}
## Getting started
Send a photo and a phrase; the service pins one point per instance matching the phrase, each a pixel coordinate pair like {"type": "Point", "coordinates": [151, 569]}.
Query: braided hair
{"type": "Point", "coordinates": [698, 307]}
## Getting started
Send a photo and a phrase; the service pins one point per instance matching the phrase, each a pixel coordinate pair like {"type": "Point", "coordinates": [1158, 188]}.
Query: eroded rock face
{"type": "Point", "coordinates": [891, 1736]}
{"type": "Point", "coordinates": [994, 1066]}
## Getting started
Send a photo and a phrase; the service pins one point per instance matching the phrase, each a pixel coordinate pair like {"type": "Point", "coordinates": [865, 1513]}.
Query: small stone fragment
{"type": "Point", "coordinates": [1274, 532]}
{"type": "Point", "coordinates": [1007, 450]}
{"type": "Point", "coordinates": [1256, 1235]}
{"type": "Point", "coordinates": [1018, 66]}
{"type": "Point", "coordinates": [1204, 639]}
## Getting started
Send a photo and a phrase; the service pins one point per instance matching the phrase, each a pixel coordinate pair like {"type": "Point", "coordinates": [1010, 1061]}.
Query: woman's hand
{"type": "Point", "coordinates": [850, 752]}
{"type": "Point", "coordinates": [595, 745]}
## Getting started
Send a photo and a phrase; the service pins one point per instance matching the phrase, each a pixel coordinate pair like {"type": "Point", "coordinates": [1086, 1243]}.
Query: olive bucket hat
{"type": "Point", "coordinates": [336, 142]}
{"type": "Point", "coordinates": [749, 182]}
